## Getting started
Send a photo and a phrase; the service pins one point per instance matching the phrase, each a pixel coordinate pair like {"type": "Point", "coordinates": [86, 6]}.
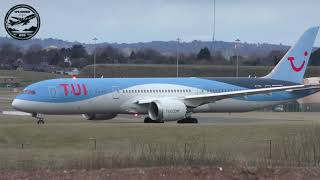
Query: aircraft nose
{"type": "Point", "coordinates": [16, 104]}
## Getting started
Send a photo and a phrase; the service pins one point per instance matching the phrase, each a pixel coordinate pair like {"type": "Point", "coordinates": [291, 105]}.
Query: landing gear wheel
{"type": "Point", "coordinates": [39, 117]}
{"type": "Point", "coordinates": [40, 121]}
{"type": "Point", "coordinates": [189, 120]}
{"type": "Point", "coordinates": [149, 120]}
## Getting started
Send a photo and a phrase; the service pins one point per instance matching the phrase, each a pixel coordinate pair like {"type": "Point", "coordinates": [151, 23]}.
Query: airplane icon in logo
{"type": "Point", "coordinates": [23, 21]}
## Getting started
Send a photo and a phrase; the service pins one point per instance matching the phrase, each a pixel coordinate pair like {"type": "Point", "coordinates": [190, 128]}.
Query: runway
{"type": "Point", "coordinates": [241, 118]}
{"type": "Point", "coordinates": [203, 118]}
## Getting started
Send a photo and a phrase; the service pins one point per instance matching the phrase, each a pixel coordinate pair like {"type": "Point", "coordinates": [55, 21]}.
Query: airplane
{"type": "Point", "coordinates": [172, 99]}
{"type": "Point", "coordinates": [23, 21]}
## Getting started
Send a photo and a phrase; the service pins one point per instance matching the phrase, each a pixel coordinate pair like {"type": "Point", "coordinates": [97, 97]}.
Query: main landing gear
{"type": "Point", "coordinates": [188, 120]}
{"type": "Point", "coordinates": [149, 120]}
{"type": "Point", "coordinates": [39, 117]}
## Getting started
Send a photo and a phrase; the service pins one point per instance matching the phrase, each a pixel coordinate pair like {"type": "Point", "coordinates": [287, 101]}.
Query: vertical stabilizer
{"type": "Point", "coordinates": [293, 65]}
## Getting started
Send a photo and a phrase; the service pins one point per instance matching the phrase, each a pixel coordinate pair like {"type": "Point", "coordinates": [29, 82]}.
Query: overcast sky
{"type": "Point", "coordinates": [273, 21]}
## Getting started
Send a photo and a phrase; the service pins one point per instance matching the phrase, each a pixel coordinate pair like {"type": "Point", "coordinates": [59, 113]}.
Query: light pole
{"type": "Point", "coordinates": [237, 54]}
{"type": "Point", "coordinates": [178, 42]}
{"type": "Point", "coordinates": [94, 57]}
{"type": "Point", "coordinates": [214, 26]}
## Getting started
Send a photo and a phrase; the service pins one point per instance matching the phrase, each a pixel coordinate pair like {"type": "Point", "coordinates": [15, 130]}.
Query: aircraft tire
{"type": "Point", "coordinates": [149, 120]}
{"type": "Point", "coordinates": [188, 120]}
{"type": "Point", "coordinates": [40, 121]}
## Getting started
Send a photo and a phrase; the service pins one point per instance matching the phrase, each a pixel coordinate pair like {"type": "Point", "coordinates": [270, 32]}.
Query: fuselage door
{"type": "Point", "coordinates": [115, 92]}
{"type": "Point", "coordinates": [199, 90]}
{"type": "Point", "coordinates": [53, 92]}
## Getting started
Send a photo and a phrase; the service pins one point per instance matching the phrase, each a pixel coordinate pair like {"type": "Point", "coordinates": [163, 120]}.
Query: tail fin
{"type": "Point", "coordinates": [293, 65]}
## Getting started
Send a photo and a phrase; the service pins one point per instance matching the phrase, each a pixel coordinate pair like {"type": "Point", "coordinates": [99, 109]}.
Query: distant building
{"type": "Point", "coordinates": [28, 67]}
{"type": "Point", "coordinates": [312, 102]}
{"type": "Point", "coordinates": [9, 81]}
{"type": "Point", "coordinates": [51, 47]}
{"type": "Point", "coordinates": [67, 61]}
{"type": "Point", "coordinates": [74, 72]}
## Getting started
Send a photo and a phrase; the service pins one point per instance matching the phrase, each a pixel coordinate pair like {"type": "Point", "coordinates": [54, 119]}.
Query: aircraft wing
{"type": "Point", "coordinates": [306, 87]}
{"type": "Point", "coordinates": [17, 18]}
{"type": "Point", "coordinates": [197, 100]}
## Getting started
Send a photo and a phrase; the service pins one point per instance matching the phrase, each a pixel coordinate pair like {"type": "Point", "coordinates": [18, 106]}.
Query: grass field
{"type": "Point", "coordinates": [28, 77]}
{"type": "Point", "coordinates": [64, 139]}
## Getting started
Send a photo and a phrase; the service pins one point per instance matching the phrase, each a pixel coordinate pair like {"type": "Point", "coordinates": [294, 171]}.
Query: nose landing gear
{"type": "Point", "coordinates": [39, 117]}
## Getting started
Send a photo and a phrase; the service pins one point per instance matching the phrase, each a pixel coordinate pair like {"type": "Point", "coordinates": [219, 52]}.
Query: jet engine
{"type": "Point", "coordinates": [167, 110]}
{"type": "Point", "coordinates": [97, 117]}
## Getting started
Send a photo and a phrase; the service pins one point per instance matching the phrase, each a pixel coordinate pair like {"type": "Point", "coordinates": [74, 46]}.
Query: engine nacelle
{"type": "Point", "coordinates": [167, 110]}
{"type": "Point", "coordinates": [97, 117]}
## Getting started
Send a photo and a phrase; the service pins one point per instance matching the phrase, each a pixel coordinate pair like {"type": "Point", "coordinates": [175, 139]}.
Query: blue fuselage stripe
{"type": "Point", "coordinates": [53, 91]}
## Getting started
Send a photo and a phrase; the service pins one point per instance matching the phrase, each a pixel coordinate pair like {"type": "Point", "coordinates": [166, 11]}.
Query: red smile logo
{"type": "Point", "coordinates": [295, 68]}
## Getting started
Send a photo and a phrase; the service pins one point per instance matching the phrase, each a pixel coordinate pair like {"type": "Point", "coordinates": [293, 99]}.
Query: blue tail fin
{"type": "Point", "coordinates": [293, 65]}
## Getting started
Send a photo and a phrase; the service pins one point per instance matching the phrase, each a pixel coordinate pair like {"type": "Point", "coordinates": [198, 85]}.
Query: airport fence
{"type": "Point", "coordinates": [96, 154]}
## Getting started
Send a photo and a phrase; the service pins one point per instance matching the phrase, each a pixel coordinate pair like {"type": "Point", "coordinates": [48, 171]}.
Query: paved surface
{"type": "Point", "coordinates": [216, 118]}
{"type": "Point", "coordinates": [250, 117]}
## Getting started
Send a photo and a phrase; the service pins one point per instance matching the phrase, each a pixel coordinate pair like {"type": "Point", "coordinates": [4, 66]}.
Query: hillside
{"type": "Point", "coordinates": [164, 47]}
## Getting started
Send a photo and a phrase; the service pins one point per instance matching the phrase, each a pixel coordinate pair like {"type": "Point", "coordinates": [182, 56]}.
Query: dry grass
{"type": "Point", "coordinates": [65, 142]}
{"type": "Point", "coordinates": [28, 77]}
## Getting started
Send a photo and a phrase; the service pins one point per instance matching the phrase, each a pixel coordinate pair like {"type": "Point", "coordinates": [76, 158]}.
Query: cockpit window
{"type": "Point", "coordinates": [30, 92]}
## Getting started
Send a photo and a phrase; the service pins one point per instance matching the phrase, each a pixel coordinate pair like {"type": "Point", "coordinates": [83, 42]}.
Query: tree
{"type": "Point", "coordinates": [315, 58]}
{"type": "Point", "coordinates": [9, 53]}
{"type": "Point", "coordinates": [109, 55]}
{"type": "Point", "coordinates": [34, 54]}
{"type": "Point", "coordinates": [78, 51]}
{"type": "Point", "coordinates": [204, 53]}
{"type": "Point", "coordinates": [132, 55]}
{"type": "Point", "coordinates": [150, 56]}
{"type": "Point", "coordinates": [218, 58]}
{"type": "Point", "coordinates": [54, 57]}
{"type": "Point", "coordinates": [275, 56]}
